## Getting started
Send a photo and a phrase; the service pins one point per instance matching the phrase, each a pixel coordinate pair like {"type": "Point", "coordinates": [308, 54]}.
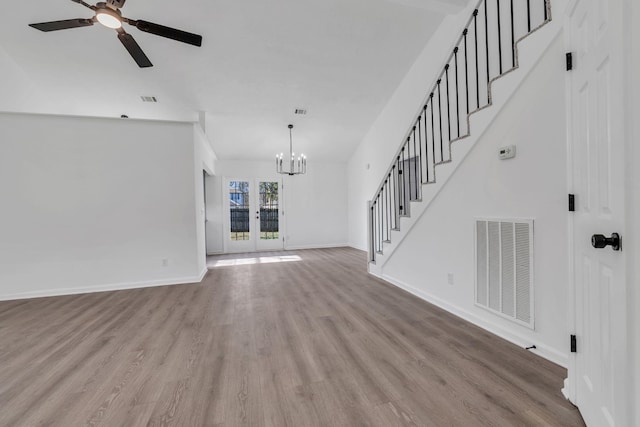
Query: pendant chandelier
{"type": "Point", "coordinates": [296, 166]}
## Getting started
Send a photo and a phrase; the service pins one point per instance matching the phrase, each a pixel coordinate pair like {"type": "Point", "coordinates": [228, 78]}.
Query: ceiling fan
{"type": "Point", "coordinates": [108, 14]}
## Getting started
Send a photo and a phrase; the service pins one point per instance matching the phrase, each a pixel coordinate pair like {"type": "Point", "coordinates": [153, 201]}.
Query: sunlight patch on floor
{"type": "Point", "coordinates": [250, 261]}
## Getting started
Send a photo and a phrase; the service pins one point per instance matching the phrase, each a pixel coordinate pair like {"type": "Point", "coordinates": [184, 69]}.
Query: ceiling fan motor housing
{"type": "Point", "coordinates": [116, 4]}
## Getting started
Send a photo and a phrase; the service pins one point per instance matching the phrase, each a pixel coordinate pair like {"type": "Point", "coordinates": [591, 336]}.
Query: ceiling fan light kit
{"type": "Point", "coordinates": [108, 14]}
{"type": "Point", "coordinates": [108, 17]}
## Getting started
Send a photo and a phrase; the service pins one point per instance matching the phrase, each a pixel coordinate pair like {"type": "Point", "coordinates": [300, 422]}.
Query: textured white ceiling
{"type": "Point", "coordinates": [340, 59]}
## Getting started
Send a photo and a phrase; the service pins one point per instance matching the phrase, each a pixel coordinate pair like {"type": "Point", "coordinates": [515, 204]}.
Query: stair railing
{"type": "Point", "coordinates": [485, 50]}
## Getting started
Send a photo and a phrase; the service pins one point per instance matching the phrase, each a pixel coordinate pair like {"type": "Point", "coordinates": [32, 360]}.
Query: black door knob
{"type": "Point", "coordinates": [599, 241]}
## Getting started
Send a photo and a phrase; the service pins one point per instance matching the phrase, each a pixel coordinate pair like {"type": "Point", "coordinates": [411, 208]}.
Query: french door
{"type": "Point", "coordinates": [253, 215]}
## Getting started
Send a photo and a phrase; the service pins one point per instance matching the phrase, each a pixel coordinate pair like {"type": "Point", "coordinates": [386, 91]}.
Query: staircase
{"type": "Point", "coordinates": [456, 110]}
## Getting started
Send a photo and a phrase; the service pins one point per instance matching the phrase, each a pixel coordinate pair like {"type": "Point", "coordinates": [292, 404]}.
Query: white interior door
{"type": "Point", "coordinates": [597, 145]}
{"type": "Point", "coordinates": [254, 215]}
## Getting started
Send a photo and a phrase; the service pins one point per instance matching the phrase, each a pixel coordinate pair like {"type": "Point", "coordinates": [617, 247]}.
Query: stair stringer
{"type": "Point", "coordinates": [529, 50]}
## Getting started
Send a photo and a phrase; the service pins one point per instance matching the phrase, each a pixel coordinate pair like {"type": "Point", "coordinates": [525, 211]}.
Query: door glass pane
{"type": "Point", "coordinates": [239, 210]}
{"type": "Point", "coordinates": [268, 210]}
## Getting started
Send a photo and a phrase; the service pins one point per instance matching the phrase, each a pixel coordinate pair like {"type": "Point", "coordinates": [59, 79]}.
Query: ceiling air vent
{"type": "Point", "coordinates": [149, 99]}
{"type": "Point", "coordinates": [301, 111]}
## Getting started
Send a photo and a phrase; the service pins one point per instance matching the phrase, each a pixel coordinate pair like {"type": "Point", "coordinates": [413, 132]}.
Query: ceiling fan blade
{"type": "Point", "coordinates": [84, 4]}
{"type": "Point", "coordinates": [134, 49]}
{"type": "Point", "coordinates": [170, 33]}
{"type": "Point", "coordinates": [62, 25]}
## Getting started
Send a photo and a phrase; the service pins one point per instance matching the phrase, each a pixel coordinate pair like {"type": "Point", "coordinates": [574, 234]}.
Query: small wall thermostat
{"type": "Point", "coordinates": [508, 152]}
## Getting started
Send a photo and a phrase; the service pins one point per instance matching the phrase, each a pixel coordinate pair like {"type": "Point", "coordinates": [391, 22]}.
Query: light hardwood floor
{"type": "Point", "coordinates": [313, 342]}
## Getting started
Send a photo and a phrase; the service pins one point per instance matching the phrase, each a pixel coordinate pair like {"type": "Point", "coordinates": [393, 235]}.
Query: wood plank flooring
{"type": "Point", "coordinates": [311, 342]}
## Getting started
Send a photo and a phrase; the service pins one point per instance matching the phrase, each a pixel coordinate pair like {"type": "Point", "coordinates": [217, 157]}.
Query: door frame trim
{"type": "Point", "coordinates": [632, 198]}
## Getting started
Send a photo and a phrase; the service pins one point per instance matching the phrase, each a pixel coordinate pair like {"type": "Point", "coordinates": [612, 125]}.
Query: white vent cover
{"type": "Point", "coordinates": [301, 111]}
{"type": "Point", "coordinates": [504, 268]}
{"type": "Point", "coordinates": [149, 99]}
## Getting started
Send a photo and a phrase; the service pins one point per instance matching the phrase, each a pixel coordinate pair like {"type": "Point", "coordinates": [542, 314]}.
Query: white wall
{"type": "Point", "coordinates": [388, 131]}
{"type": "Point", "coordinates": [315, 204]}
{"type": "Point", "coordinates": [533, 185]}
{"type": "Point", "coordinates": [17, 93]}
{"type": "Point", "coordinates": [215, 219]}
{"type": "Point", "coordinates": [204, 161]}
{"type": "Point", "coordinates": [93, 204]}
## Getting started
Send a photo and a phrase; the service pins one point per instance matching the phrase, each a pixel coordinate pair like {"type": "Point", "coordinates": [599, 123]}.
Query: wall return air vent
{"type": "Point", "coordinates": [504, 268]}
{"type": "Point", "coordinates": [149, 99]}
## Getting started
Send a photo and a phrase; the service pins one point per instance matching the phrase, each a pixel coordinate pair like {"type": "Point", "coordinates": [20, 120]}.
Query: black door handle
{"type": "Point", "coordinates": [599, 241]}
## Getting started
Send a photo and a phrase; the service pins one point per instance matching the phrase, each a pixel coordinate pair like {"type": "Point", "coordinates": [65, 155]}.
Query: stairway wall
{"type": "Point", "coordinates": [369, 162]}
{"type": "Point", "coordinates": [533, 185]}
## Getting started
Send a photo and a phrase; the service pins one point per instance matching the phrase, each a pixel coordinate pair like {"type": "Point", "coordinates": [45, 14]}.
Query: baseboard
{"type": "Point", "coordinates": [324, 246]}
{"type": "Point", "coordinates": [357, 249]}
{"type": "Point", "coordinates": [203, 273]}
{"type": "Point", "coordinates": [541, 350]}
{"type": "Point", "coordinates": [105, 288]}
{"type": "Point", "coordinates": [566, 390]}
{"type": "Point", "coordinates": [363, 248]}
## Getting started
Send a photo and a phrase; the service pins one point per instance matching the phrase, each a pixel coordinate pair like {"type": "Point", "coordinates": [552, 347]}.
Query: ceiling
{"type": "Point", "coordinates": [339, 59]}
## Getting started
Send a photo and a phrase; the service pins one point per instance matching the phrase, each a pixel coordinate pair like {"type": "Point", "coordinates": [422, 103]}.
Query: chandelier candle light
{"type": "Point", "coordinates": [296, 167]}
